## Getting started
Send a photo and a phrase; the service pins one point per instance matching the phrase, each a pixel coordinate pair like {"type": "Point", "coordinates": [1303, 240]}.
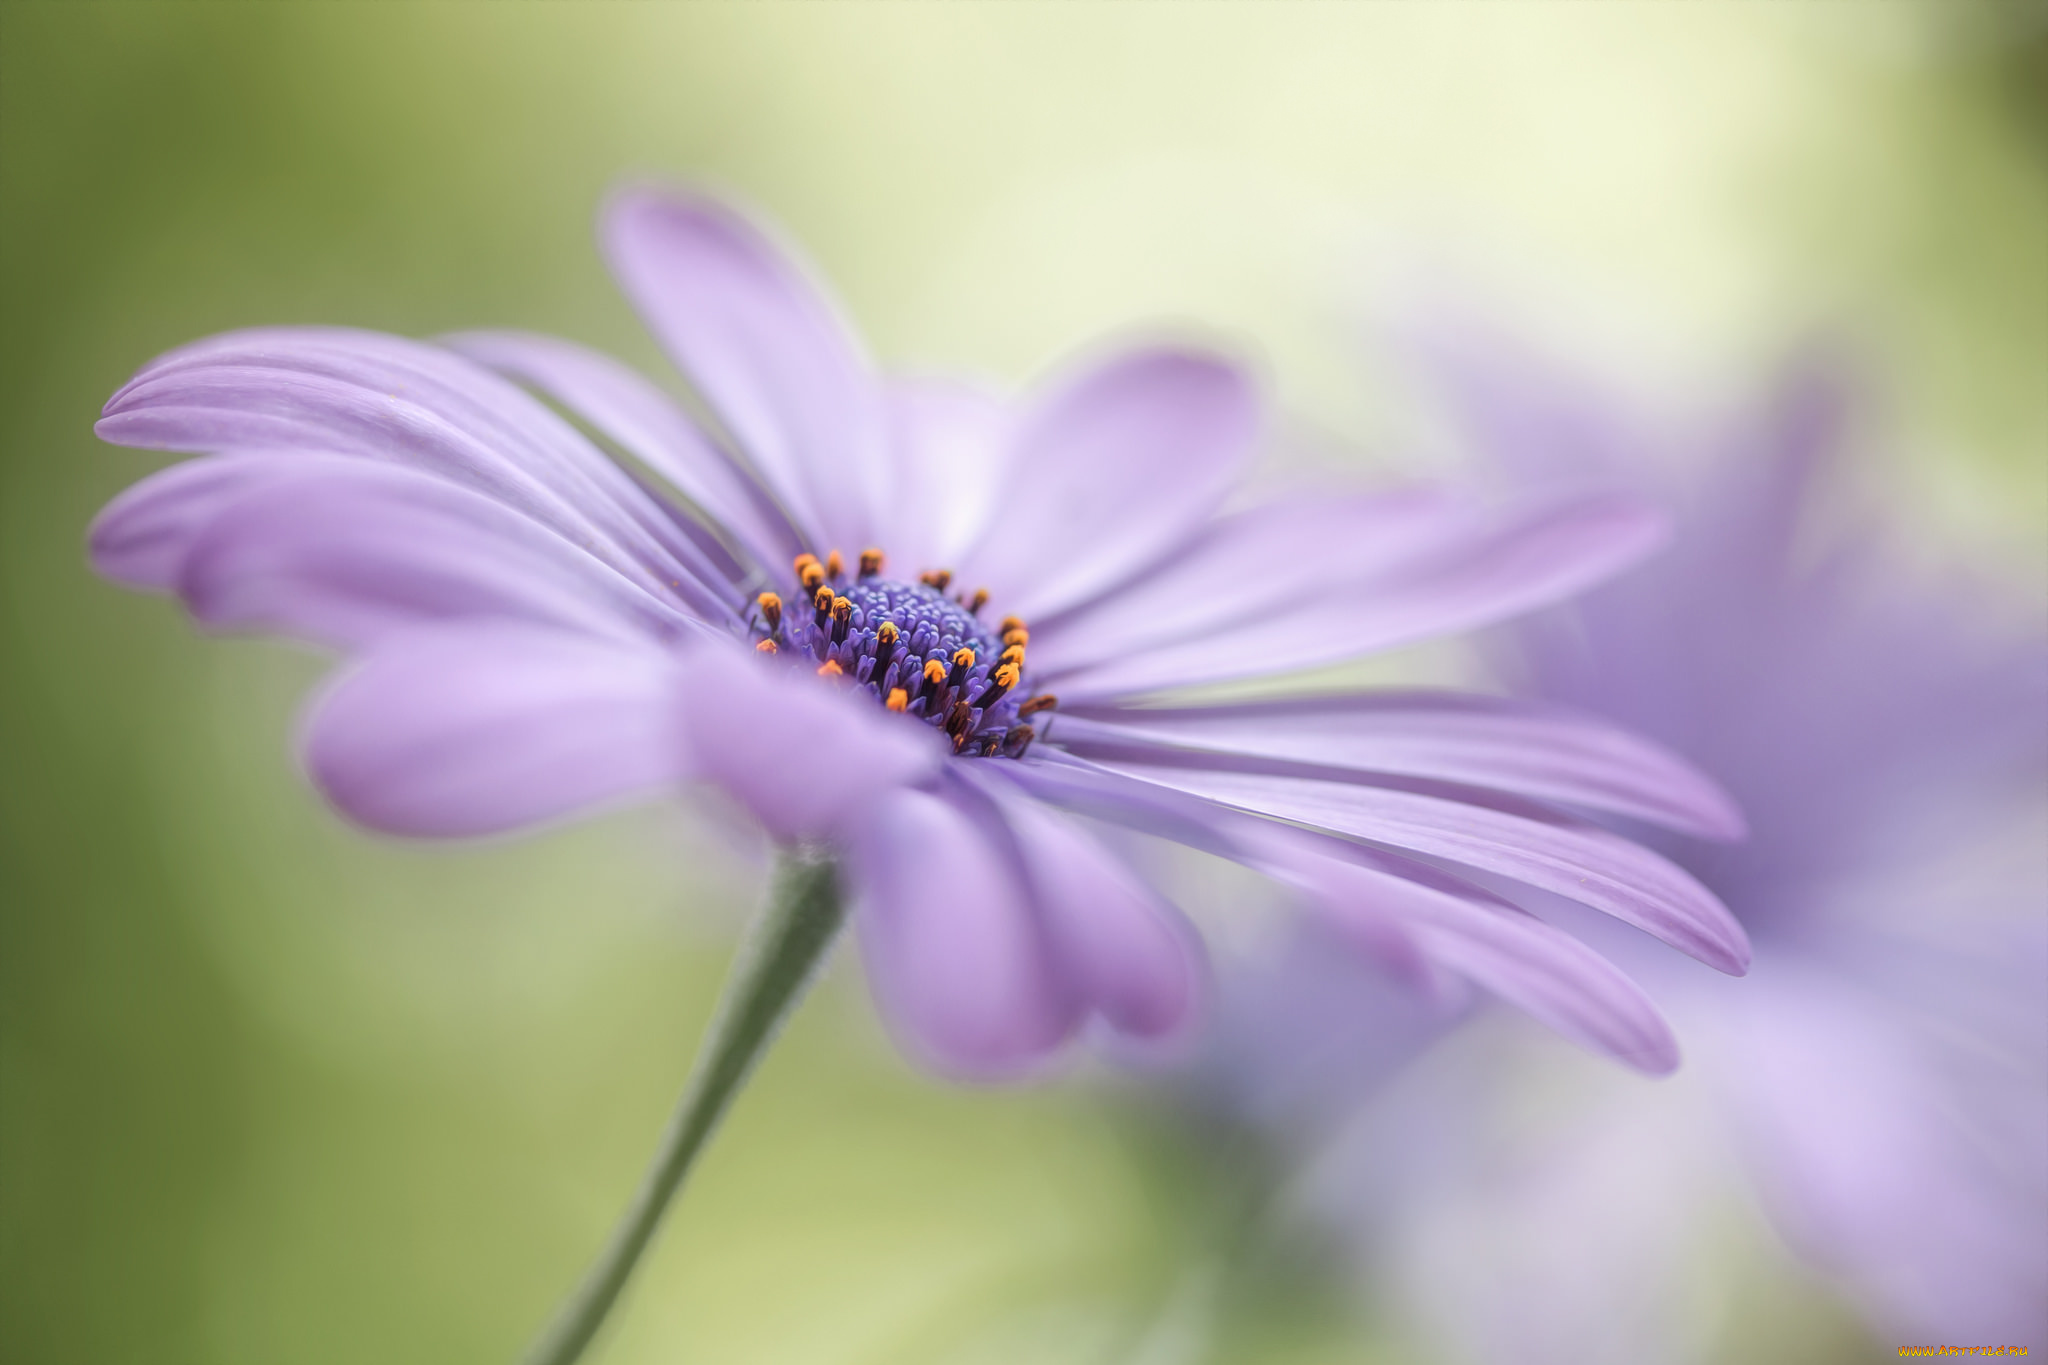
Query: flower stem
{"type": "Point", "coordinates": [773, 966]}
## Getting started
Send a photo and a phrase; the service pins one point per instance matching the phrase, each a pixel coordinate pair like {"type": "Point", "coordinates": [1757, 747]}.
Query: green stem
{"type": "Point", "coordinates": [769, 974]}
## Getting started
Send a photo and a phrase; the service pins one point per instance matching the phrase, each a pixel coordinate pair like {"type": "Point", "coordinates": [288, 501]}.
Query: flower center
{"type": "Point", "coordinates": [917, 651]}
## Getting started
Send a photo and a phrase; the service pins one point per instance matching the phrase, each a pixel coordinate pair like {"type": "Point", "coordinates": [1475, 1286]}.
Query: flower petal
{"type": "Point", "coordinates": [948, 436]}
{"type": "Point", "coordinates": [1135, 956]}
{"type": "Point", "coordinates": [335, 391]}
{"type": "Point", "coordinates": [473, 731]}
{"type": "Point", "coordinates": [1440, 736]}
{"type": "Point", "coordinates": [956, 960]}
{"type": "Point", "coordinates": [1537, 967]}
{"type": "Point", "coordinates": [1391, 905]}
{"type": "Point", "coordinates": [141, 538]}
{"type": "Point", "coordinates": [1579, 862]}
{"type": "Point", "coordinates": [347, 553]}
{"type": "Point", "coordinates": [629, 410]}
{"type": "Point", "coordinates": [1114, 468]}
{"type": "Point", "coordinates": [807, 757]}
{"type": "Point", "coordinates": [1505, 564]}
{"type": "Point", "coordinates": [1256, 561]}
{"type": "Point", "coordinates": [764, 347]}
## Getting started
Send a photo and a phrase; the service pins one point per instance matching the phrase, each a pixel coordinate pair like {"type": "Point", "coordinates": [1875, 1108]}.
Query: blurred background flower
{"type": "Point", "coordinates": [274, 1092]}
{"type": "Point", "coordinates": [1866, 1116]}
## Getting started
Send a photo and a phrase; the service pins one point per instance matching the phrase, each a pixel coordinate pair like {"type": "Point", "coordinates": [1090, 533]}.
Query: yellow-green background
{"type": "Point", "coordinates": [274, 1092]}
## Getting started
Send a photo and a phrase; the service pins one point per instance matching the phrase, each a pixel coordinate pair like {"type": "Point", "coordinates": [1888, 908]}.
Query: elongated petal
{"type": "Point", "coordinates": [1136, 957]}
{"type": "Point", "coordinates": [1301, 546]}
{"type": "Point", "coordinates": [806, 756]}
{"type": "Point", "coordinates": [141, 538]}
{"type": "Point", "coordinates": [1109, 472]}
{"type": "Point", "coordinates": [763, 346]}
{"type": "Point", "coordinates": [948, 436]}
{"type": "Point", "coordinates": [475, 731]}
{"type": "Point", "coordinates": [1440, 736]}
{"type": "Point", "coordinates": [647, 424]}
{"type": "Point", "coordinates": [1537, 967]}
{"type": "Point", "coordinates": [346, 556]}
{"type": "Point", "coordinates": [958, 964]}
{"type": "Point", "coordinates": [1393, 906]}
{"type": "Point", "coordinates": [1579, 862]}
{"type": "Point", "coordinates": [365, 394]}
{"type": "Point", "coordinates": [1520, 561]}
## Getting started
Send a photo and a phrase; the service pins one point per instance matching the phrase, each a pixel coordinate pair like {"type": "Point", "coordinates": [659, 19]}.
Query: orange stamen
{"type": "Point", "coordinates": [898, 699]}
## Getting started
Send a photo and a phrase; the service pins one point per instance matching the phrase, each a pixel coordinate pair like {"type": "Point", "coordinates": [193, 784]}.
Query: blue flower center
{"type": "Point", "coordinates": [917, 651]}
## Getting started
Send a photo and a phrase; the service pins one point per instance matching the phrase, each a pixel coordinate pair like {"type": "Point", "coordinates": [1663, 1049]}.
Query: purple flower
{"type": "Point", "coordinates": [1879, 1086]}
{"type": "Point", "coordinates": [532, 629]}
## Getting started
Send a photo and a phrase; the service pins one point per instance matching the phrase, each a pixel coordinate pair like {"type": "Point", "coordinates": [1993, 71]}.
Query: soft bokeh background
{"type": "Point", "coordinates": [272, 1091]}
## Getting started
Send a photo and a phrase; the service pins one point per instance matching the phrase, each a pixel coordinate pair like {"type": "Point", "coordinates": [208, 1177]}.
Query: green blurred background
{"type": "Point", "coordinates": [272, 1091]}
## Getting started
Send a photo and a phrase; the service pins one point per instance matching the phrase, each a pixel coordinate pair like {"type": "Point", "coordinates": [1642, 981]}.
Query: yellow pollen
{"type": "Point", "coordinates": [934, 672]}
{"type": "Point", "coordinates": [898, 699]}
{"type": "Point", "coordinates": [831, 669]}
{"type": "Point", "coordinates": [765, 647]}
{"type": "Point", "coordinates": [1017, 635]}
{"type": "Point", "coordinates": [1006, 676]}
{"type": "Point", "coordinates": [1008, 624]}
{"type": "Point", "coordinates": [1044, 701]}
{"type": "Point", "coordinates": [936, 578]}
{"type": "Point", "coordinates": [823, 599]}
{"type": "Point", "coordinates": [870, 562]}
{"type": "Point", "coordinates": [978, 600]}
{"type": "Point", "coordinates": [771, 609]}
{"type": "Point", "coordinates": [886, 633]}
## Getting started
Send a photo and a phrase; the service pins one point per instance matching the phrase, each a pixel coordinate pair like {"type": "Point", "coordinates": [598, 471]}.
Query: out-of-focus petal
{"type": "Point", "coordinates": [1518, 561]}
{"type": "Point", "coordinates": [1115, 467]}
{"type": "Point", "coordinates": [959, 964]}
{"type": "Point", "coordinates": [948, 436]}
{"type": "Point", "coordinates": [765, 348]}
{"type": "Point", "coordinates": [633, 413]}
{"type": "Point", "coordinates": [479, 730]}
{"type": "Point", "coordinates": [341, 392]}
{"type": "Point", "coordinates": [1440, 736]}
{"type": "Point", "coordinates": [804, 755]}
{"type": "Point", "coordinates": [1871, 1153]}
{"type": "Point", "coordinates": [1135, 956]}
{"type": "Point", "coordinates": [142, 536]}
{"type": "Point", "coordinates": [346, 556]}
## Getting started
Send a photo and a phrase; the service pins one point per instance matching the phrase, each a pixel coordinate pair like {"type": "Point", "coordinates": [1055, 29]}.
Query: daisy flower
{"type": "Point", "coordinates": [915, 631]}
{"type": "Point", "coordinates": [1876, 1093]}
